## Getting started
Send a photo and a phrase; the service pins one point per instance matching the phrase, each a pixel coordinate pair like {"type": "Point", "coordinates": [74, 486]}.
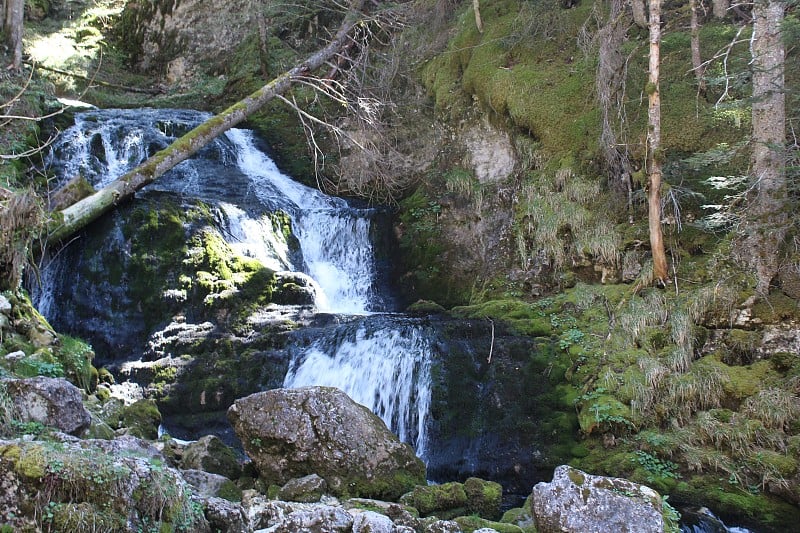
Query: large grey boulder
{"type": "Point", "coordinates": [290, 433]}
{"type": "Point", "coordinates": [50, 401]}
{"type": "Point", "coordinates": [576, 502]}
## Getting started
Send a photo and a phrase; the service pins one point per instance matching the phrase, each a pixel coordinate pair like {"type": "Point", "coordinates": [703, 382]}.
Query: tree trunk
{"type": "Point", "coordinates": [639, 14]}
{"type": "Point", "coordinates": [476, 6]}
{"type": "Point", "coordinates": [720, 8]}
{"type": "Point", "coordinates": [767, 217]}
{"type": "Point", "coordinates": [14, 13]}
{"type": "Point", "coordinates": [654, 156]}
{"type": "Point", "coordinates": [697, 62]}
{"type": "Point", "coordinates": [78, 215]}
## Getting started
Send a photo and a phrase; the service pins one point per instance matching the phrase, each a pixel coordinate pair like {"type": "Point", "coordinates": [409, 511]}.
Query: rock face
{"type": "Point", "coordinates": [576, 502]}
{"type": "Point", "coordinates": [50, 401]}
{"type": "Point", "coordinates": [290, 433]}
{"type": "Point", "coordinates": [165, 32]}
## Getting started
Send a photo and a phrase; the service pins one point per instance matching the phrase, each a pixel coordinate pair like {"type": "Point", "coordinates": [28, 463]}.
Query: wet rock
{"type": "Point", "coordinates": [290, 433]}
{"type": "Point", "coordinates": [581, 503]}
{"type": "Point", "coordinates": [50, 401]}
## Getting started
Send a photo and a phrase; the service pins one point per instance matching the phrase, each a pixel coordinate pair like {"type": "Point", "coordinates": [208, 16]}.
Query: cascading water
{"type": "Point", "coordinates": [381, 361]}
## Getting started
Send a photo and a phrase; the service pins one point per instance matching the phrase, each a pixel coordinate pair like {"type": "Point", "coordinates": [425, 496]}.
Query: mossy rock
{"type": "Point", "coordinates": [210, 454]}
{"type": "Point", "coordinates": [435, 499]}
{"type": "Point", "coordinates": [483, 497]}
{"type": "Point", "coordinates": [142, 419]}
{"type": "Point", "coordinates": [602, 413]}
{"type": "Point", "coordinates": [425, 307]}
{"type": "Point", "coordinates": [469, 524]}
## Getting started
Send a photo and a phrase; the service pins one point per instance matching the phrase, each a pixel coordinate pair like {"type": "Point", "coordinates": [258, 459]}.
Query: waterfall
{"type": "Point", "coordinates": [382, 364]}
{"type": "Point", "coordinates": [255, 237]}
{"type": "Point", "coordinates": [381, 360]}
{"type": "Point", "coordinates": [334, 237]}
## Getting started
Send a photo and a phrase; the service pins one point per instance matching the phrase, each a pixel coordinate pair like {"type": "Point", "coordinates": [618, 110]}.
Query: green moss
{"type": "Point", "coordinates": [29, 463]}
{"type": "Point", "coordinates": [142, 419]}
{"type": "Point", "coordinates": [433, 499]}
{"type": "Point", "coordinates": [483, 497]}
{"type": "Point", "coordinates": [471, 523]}
{"type": "Point", "coordinates": [736, 501]}
{"type": "Point", "coordinates": [603, 413]}
{"type": "Point", "coordinates": [230, 491]}
{"type": "Point", "coordinates": [75, 355]}
{"type": "Point", "coordinates": [523, 317]}
{"type": "Point", "coordinates": [776, 308]}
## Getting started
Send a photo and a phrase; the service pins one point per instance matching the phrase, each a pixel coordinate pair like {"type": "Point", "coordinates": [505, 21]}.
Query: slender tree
{"type": "Point", "coordinates": [13, 14]}
{"type": "Point", "coordinates": [767, 217]}
{"type": "Point", "coordinates": [476, 6]}
{"type": "Point", "coordinates": [639, 13]}
{"type": "Point", "coordinates": [697, 62]}
{"type": "Point", "coordinates": [654, 156]}
{"type": "Point", "coordinates": [720, 8]}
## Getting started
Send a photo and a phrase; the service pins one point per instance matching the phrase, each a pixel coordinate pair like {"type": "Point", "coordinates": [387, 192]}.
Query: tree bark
{"type": "Point", "coordinates": [12, 26]}
{"type": "Point", "coordinates": [767, 217]}
{"type": "Point", "coordinates": [639, 14]}
{"type": "Point", "coordinates": [654, 156]}
{"type": "Point", "coordinates": [77, 216]}
{"type": "Point", "coordinates": [720, 8]}
{"type": "Point", "coordinates": [697, 62]}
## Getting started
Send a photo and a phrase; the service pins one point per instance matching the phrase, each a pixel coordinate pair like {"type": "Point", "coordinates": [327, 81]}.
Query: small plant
{"type": "Point", "coordinates": [655, 467]}
{"type": "Point", "coordinates": [570, 337]}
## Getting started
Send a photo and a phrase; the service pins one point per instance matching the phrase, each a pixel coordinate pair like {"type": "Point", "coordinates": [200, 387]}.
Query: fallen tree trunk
{"type": "Point", "coordinates": [77, 216]}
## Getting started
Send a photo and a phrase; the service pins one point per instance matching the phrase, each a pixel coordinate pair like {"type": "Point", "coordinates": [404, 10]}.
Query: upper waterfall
{"type": "Point", "coordinates": [334, 237]}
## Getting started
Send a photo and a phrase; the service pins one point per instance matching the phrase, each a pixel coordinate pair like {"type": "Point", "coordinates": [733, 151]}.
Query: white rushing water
{"type": "Point", "coordinates": [386, 369]}
{"type": "Point", "coordinates": [334, 238]}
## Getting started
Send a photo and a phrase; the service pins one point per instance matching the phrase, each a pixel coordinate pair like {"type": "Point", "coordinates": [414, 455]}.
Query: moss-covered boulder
{"type": "Point", "coordinates": [483, 497]}
{"type": "Point", "coordinates": [121, 485]}
{"type": "Point", "coordinates": [142, 419]}
{"type": "Point", "coordinates": [447, 500]}
{"type": "Point", "coordinates": [290, 433]}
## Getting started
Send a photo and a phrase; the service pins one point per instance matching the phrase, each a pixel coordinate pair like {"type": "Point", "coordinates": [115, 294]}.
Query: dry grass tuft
{"type": "Point", "coordinates": [22, 220]}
